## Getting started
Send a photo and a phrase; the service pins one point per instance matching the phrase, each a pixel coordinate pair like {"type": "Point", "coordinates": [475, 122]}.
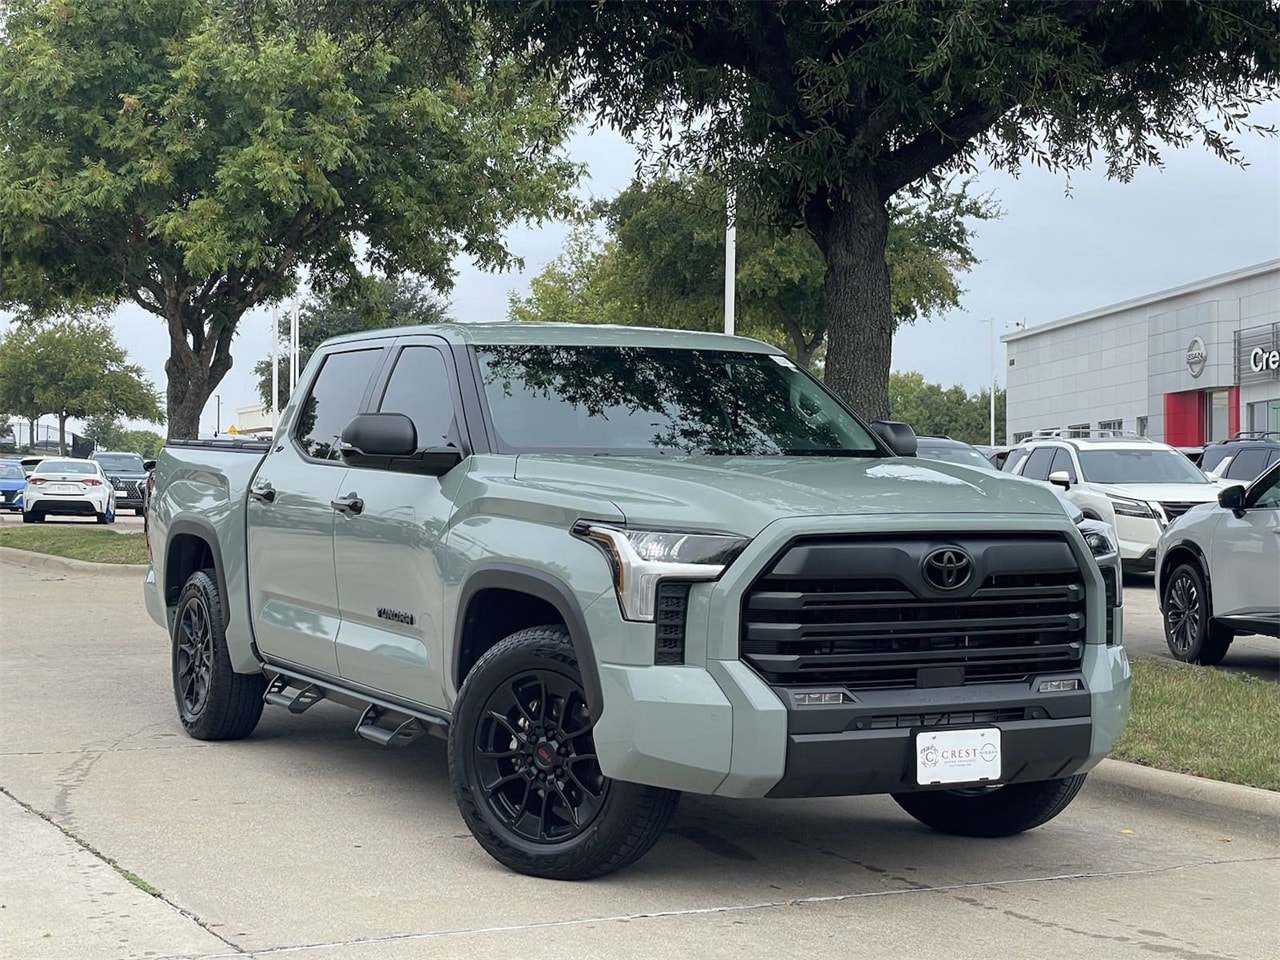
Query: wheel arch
{"type": "Point", "coordinates": [1184, 551]}
{"type": "Point", "coordinates": [191, 544]}
{"type": "Point", "coordinates": [529, 598]}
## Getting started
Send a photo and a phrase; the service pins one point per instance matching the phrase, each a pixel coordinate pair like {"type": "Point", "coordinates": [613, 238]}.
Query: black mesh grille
{"type": "Point", "coordinates": [669, 620]}
{"type": "Point", "coordinates": [860, 613]}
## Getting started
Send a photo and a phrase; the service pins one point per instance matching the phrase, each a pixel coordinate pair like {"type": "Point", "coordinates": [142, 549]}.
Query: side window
{"type": "Point", "coordinates": [1212, 457]}
{"type": "Point", "coordinates": [419, 388]}
{"type": "Point", "coordinates": [334, 399]}
{"type": "Point", "coordinates": [1062, 461]}
{"type": "Point", "coordinates": [1267, 494]}
{"type": "Point", "coordinates": [1037, 467]}
{"type": "Point", "coordinates": [1248, 465]}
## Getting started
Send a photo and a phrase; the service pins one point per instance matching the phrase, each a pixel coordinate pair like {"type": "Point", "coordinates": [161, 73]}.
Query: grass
{"type": "Point", "coordinates": [78, 541]}
{"type": "Point", "coordinates": [1203, 721]}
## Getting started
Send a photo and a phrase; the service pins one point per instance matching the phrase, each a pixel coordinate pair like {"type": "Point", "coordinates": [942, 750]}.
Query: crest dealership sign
{"type": "Point", "coordinates": [1258, 354]}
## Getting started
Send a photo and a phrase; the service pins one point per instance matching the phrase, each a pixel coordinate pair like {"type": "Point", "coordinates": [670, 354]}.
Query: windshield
{"type": "Point", "coordinates": [1138, 466]}
{"type": "Point", "coordinates": [11, 471]}
{"type": "Point", "coordinates": [66, 466]}
{"type": "Point", "coordinates": [123, 462]}
{"type": "Point", "coordinates": [652, 401]}
{"type": "Point", "coordinates": [967, 456]}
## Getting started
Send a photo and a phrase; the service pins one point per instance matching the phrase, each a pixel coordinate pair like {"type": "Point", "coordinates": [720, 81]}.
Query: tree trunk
{"type": "Point", "coordinates": [62, 434]}
{"type": "Point", "coordinates": [193, 372]}
{"type": "Point", "coordinates": [859, 323]}
{"type": "Point", "coordinates": [188, 392]}
{"type": "Point", "coordinates": [31, 435]}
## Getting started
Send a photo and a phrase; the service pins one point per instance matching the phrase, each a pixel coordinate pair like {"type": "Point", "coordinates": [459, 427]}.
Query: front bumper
{"type": "Point", "coordinates": [714, 726]}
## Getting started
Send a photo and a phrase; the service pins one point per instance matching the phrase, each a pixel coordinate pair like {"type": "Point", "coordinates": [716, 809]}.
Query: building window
{"type": "Point", "coordinates": [1111, 426]}
{"type": "Point", "coordinates": [1215, 414]}
{"type": "Point", "coordinates": [1264, 416]}
{"type": "Point", "coordinates": [1075, 430]}
{"type": "Point", "coordinates": [1142, 426]}
{"type": "Point", "coordinates": [1019, 437]}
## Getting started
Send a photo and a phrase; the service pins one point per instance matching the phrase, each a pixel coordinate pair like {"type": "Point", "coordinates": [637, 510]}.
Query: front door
{"type": "Point", "coordinates": [1246, 560]}
{"type": "Point", "coordinates": [293, 594]}
{"type": "Point", "coordinates": [388, 555]}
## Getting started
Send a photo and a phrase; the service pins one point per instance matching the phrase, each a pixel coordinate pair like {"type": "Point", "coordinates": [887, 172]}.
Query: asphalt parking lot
{"type": "Point", "coordinates": [305, 841]}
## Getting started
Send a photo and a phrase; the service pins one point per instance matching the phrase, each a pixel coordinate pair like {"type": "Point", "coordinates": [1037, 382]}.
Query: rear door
{"type": "Point", "coordinates": [293, 594]}
{"type": "Point", "coordinates": [389, 555]}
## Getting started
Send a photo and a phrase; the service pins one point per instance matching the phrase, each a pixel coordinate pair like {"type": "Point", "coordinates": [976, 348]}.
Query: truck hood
{"type": "Point", "coordinates": [743, 495]}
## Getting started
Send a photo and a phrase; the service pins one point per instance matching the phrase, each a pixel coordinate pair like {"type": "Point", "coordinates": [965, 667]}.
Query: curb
{"type": "Point", "coordinates": [1248, 809]}
{"type": "Point", "coordinates": [47, 561]}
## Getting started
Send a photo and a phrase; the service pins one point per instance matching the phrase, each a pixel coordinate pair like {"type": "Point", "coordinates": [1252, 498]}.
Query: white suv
{"type": "Point", "coordinates": [1218, 571]}
{"type": "Point", "coordinates": [1133, 483]}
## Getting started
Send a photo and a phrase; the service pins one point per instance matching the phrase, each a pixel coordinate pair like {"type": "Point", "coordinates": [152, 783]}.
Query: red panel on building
{"type": "Point", "coordinates": [1184, 418]}
{"type": "Point", "coordinates": [1233, 410]}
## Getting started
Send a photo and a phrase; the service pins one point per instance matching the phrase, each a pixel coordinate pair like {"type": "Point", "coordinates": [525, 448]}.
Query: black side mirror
{"type": "Point", "coordinates": [1232, 498]}
{"type": "Point", "coordinates": [389, 441]}
{"type": "Point", "coordinates": [898, 436]}
{"type": "Point", "coordinates": [148, 465]}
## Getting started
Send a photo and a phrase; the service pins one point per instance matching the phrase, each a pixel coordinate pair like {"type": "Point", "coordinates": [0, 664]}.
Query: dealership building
{"type": "Point", "coordinates": [1197, 363]}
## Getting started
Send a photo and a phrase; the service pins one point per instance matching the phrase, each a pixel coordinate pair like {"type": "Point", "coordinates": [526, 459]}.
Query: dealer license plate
{"type": "Point", "coordinates": [958, 756]}
{"type": "Point", "coordinates": [65, 487]}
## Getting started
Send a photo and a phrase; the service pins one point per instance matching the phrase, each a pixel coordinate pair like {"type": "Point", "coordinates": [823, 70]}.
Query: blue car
{"type": "Point", "coordinates": [12, 482]}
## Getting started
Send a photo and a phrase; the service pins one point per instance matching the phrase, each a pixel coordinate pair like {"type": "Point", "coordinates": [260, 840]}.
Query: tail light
{"type": "Point", "coordinates": [36, 481]}
{"type": "Point", "coordinates": [92, 481]}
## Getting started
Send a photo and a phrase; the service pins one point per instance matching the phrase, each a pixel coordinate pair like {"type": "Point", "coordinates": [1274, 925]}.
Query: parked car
{"type": "Point", "coordinates": [1133, 483]}
{"type": "Point", "coordinates": [1218, 571]}
{"type": "Point", "coordinates": [1084, 503]}
{"type": "Point", "coordinates": [68, 487]}
{"type": "Point", "coordinates": [612, 565]}
{"type": "Point", "coordinates": [1243, 458]}
{"type": "Point", "coordinates": [128, 475]}
{"type": "Point", "coordinates": [13, 480]}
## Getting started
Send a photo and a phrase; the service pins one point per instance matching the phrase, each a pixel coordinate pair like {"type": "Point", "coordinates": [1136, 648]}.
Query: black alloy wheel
{"type": "Point", "coordinates": [536, 759]}
{"type": "Point", "coordinates": [193, 658]}
{"type": "Point", "coordinates": [1189, 630]}
{"type": "Point", "coordinates": [525, 774]}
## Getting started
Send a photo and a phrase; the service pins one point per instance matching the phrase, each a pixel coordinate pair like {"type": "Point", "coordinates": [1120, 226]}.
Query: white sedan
{"type": "Point", "coordinates": [61, 485]}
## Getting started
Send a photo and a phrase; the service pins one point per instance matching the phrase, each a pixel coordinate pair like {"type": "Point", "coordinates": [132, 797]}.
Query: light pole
{"type": "Point", "coordinates": [991, 327]}
{"type": "Point", "coordinates": [730, 258]}
{"type": "Point", "coordinates": [217, 424]}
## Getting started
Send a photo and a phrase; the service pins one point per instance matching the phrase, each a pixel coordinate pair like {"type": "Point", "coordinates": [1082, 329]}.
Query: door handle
{"type": "Point", "coordinates": [264, 492]}
{"type": "Point", "coordinates": [349, 505]}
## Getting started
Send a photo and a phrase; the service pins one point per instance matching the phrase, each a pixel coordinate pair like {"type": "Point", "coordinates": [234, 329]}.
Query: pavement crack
{"type": "Point", "coordinates": [130, 877]}
{"type": "Point", "coordinates": [1175, 952]}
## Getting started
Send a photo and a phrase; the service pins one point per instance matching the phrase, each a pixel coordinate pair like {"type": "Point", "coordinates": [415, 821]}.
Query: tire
{"type": "Point", "coordinates": [532, 832]}
{"type": "Point", "coordinates": [139, 511]}
{"type": "Point", "coordinates": [32, 517]}
{"type": "Point", "coordinates": [993, 812]}
{"type": "Point", "coordinates": [214, 702]}
{"type": "Point", "coordinates": [1189, 629]}
{"type": "Point", "coordinates": [101, 518]}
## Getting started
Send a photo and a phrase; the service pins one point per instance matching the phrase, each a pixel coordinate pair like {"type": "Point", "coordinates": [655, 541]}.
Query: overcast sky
{"type": "Point", "coordinates": [1050, 256]}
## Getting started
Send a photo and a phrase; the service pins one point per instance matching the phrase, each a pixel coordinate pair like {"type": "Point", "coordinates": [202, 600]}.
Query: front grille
{"type": "Point", "coordinates": [955, 718]}
{"type": "Point", "coordinates": [859, 612]}
{"type": "Point", "coordinates": [1110, 576]}
{"type": "Point", "coordinates": [132, 489]}
{"type": "Point", "coordinates": [10, 495]}
{"type": "Point", "coordinates": [1174, 509]}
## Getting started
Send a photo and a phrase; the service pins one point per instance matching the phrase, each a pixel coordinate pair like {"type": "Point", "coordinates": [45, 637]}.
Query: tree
{"type": "Point", "coordinates": [933, 410]}
{"type": "Point", "coordinates": [171, 154]}
{"type": "Point", "coordinates": [825, 112]}
{"type": "Point", "coordinates": [105, 431]}
{"type": "Point", "coordinates": [376, 303]}
{"type": "Point", "coordinates": [72, 368]}
{"type": "Point", "coordinates": [663, 265]}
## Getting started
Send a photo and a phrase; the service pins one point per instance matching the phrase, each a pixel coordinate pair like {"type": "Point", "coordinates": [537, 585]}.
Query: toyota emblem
{"type": "Point", "coordinates": [948, 568]}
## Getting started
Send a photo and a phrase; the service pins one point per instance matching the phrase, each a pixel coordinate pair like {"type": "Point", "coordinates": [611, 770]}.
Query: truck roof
{"type": "Point", "coordinates": [568, 334]}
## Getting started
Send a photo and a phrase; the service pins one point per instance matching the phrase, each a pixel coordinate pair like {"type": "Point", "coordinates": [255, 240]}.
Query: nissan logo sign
{"type": "Point", "coordinates": [1196, 356]}
{"type": "Point", "coordinates": [948, 568]}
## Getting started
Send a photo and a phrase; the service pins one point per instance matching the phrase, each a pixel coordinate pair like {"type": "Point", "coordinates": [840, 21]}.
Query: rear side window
{"type": "Point", "coordinates": [334, 399]}
{"type": "Point", "coordinates": [1014, 458]}
{"type": "Point", "coordinates": [1037, 467]}
{"type": "Point", "coordinates": [1248, 465]}
{"type": "Point", "coordinates": [419, 388]}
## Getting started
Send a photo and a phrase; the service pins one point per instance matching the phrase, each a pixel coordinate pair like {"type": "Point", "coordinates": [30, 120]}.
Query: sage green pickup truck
{"type": "Point", "coordinates": [612, 565]}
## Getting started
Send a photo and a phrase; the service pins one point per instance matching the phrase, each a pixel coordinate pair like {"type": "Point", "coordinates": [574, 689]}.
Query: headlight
{"type": "Point", "coordinates": [1098, 536]}
{"type": "Point", "coordinates": [1131, 508]}
{"type": "Point", "coordinates": [641, 558]}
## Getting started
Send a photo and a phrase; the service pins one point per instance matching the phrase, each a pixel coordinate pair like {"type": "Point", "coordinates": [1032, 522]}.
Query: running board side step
{"type": "Point", "coordinates": [404, 732]}
{"type": "Point", "coordinates": [278, 693]}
